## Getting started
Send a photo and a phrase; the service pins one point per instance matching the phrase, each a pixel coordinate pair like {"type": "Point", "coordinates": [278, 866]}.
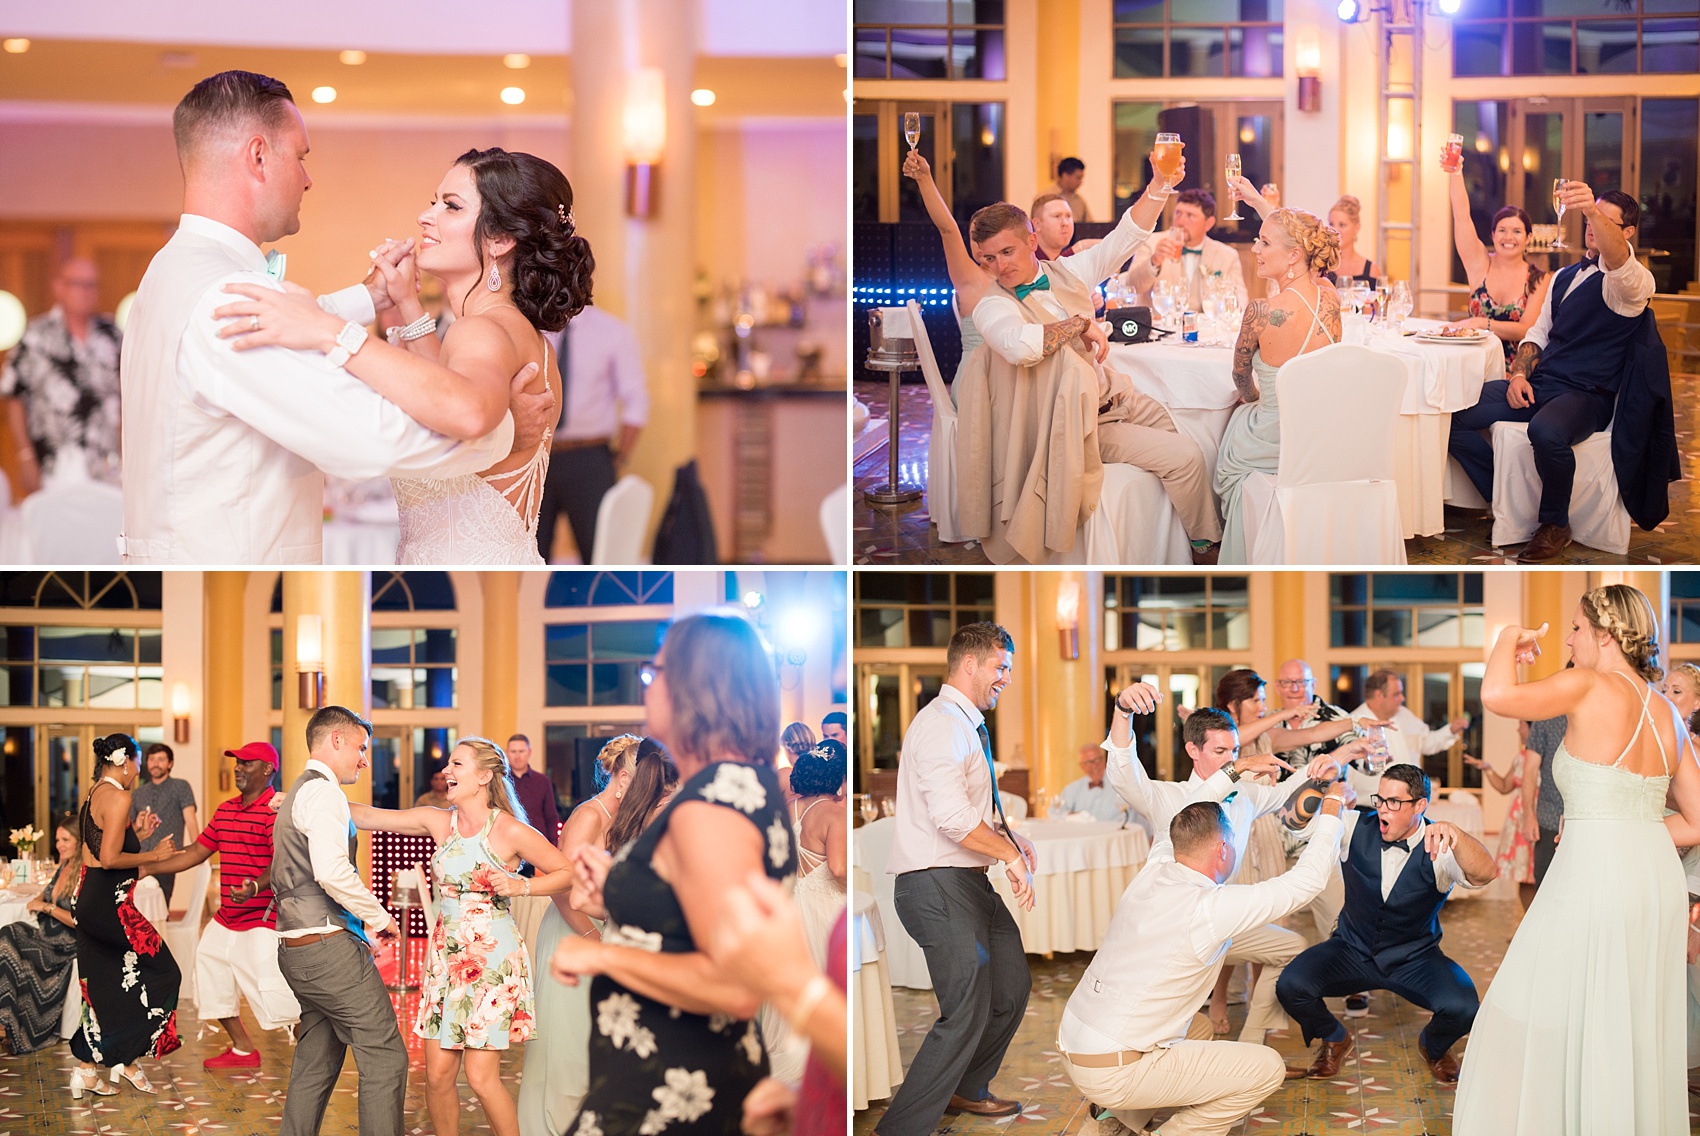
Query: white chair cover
{"type": "Point", "coordinates": [835, 524]}
{"type": "Point", "coordinates": [1597, 516]}
{"type": "Point", "coordinates": [1135, 522]}
{"type": "Point", "coordinates": [903, 957]}
{"type": "Point", "coordinates": [622, 522]}
{"type": "Point", "coordinates": [1333, 499]}
{"type": "Point", "coordinates": [1459, 490]}
{"type": "Point", "coordinates": [71, 519]}
{"type": "Point", "coordinates": [183, 929]}
{"type": "Point", "coordinates": [427, 901]}
{"type": "Point", "coordinates": [1014, 806]}
{"type": "Point", "coordinates": [941, 450]}
{"type": "Point", "coordinates": [73, 1012]}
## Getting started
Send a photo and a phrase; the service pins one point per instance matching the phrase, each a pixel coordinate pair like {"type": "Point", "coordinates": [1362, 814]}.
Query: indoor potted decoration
{"type": "Point", "coordinates": [26, 839]}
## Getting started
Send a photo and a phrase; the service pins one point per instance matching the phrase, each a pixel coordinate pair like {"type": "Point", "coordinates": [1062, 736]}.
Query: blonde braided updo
{"type": "Point", "coordinates": [1318, 243]}
{"type": "Point", "coordinates": [1627, 615]}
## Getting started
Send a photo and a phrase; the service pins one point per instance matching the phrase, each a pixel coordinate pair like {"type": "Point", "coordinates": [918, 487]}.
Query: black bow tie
{"type": "Point", "coordinates": [1403, 845]}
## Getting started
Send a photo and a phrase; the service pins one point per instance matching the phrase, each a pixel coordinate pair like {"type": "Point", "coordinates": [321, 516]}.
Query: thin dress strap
{"type": "Point", "coordinates": [1645, 718]}
{"type": "Point", "coordinates": [1315, 322]}
{"type": "Point", "coordinates": [524, 488]}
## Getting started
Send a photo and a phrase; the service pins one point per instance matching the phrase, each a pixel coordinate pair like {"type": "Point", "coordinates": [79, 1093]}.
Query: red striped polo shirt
{"type": "Point", "coordinates": [242, 837]}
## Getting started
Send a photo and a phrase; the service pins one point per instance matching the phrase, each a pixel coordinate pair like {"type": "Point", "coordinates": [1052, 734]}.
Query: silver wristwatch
{"type": "Point", "coordinates": [349, 341]}
{"type": "Point", "coordinates": [1233, 768]}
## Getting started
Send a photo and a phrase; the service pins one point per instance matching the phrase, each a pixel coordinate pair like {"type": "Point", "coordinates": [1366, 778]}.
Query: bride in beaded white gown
{"type": "Point", "coordinates": [476, 518]}
{"type": "Point", "coordinates": [1582, 1032]}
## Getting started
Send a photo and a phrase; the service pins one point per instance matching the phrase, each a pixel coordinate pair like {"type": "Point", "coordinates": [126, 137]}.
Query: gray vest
{"type": "Point", "coordinates": [299, 900]}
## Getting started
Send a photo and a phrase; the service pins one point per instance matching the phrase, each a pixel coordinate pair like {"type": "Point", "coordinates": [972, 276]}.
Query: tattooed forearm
{"type": "Point", "coordinates": [1328, 311]}
{"type": "Point", "coordinates": [1257, 317]}
{"type": "Point", "coordinates": [1058, 334]}
{"type": "Point", "coordinates": [1528, 354]}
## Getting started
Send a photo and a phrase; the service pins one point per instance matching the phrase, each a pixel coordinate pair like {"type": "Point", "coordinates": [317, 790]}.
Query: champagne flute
{"type": "Point", "coordinates": [1558, 206]}
{"type": "Point", "coordinates": [1233, 194]}
{"type": "Point", "coordinates": [1168, 159]}
{"type": "Point", "coordinates": [912, 128]}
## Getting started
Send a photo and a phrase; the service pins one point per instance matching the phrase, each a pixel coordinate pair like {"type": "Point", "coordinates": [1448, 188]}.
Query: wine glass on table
{"type": "Point", "coordinates": [1233, 194]}
{"type": "Point", "coordinates": [1558, 207]}
{"type": "Point", "coordinates": [1163, 299]}
{"type": "Point", "coordinates": [1168, 160]}
{"type": "Point", "coordinates": [912, 128]}
{"type": "Point", "coordinates": [1399, 305]}
{"type": "Point", "coordinates": [1230, 313]}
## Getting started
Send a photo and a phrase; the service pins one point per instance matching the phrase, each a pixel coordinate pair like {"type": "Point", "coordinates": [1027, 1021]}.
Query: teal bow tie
{"type": "Point", "coordinates": [1192, 252]}
{"type": "Point", "coordinates": [275, 264]}
{"type": "Point", "coordinates": [1043, 284]}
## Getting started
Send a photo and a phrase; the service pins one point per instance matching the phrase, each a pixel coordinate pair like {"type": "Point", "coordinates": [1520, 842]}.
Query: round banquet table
{"type": "Point", "coordinates": [14, 904]}
{"type": "Point", "coordinates": [876, 1067]}
{"type": "Point", "coordinates": [1083, 870]}
{"type": "Point", "coordinates": [1197, 385]}
{"type": "Point", "coordinates": [149, 900]}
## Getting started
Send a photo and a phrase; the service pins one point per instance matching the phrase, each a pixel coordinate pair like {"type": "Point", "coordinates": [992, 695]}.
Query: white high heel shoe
{"type": "Point", "coordinates": [135, 1076]}
{"type": "Point", "coordinates": [81, 1080]}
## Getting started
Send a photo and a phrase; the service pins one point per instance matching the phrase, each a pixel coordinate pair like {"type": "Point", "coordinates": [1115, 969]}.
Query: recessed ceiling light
{"type": "Point", "coordinates": [16, 46]}
{"type": "Point", "coordinates": [516, 61]}
{"type": "Point", "coordinates": [513, 96]}
{"type": "Point", "coordinates": [702, 97]}
{"type": "Point", "coordinates": [353, 58]}
{"type": "Point", "coordinates": [324, 94]}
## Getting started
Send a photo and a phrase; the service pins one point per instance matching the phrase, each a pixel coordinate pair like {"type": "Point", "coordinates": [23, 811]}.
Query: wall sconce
{"type": "Point", "coordinates": [644, 125]}
{"type": "Point", "coordinates": [180, 713]}
{"type": "Point", "coordinates": [310, 661]}
{"type": "Point", "coordinates": [1308, 63]}
{"type": "Point", "coordinates": [1068, 618]}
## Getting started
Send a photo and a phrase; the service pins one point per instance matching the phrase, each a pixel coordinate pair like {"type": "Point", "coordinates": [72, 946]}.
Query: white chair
{"type": "Point", "coordinates": [1135, 522]}
{"type": "Point", "coordinates": [622, 522]}
{"type": "Point", "coordinates": [1014, 806]}
{"type": "Point", "coordinates": [941, 449]}
{"type": "Point", "coordinates": [72, 1015]}
{"type": "Point", "coordinates": [427, 901]}
{"type": "Point", "coordinates": [1597, 516]}
{"type": "Point", "coordinates": [835, 524]}
{"type": "Point", "coordinates": [1333, 499]}
{"type": "Point", "coordinates": [71, 519]}
{"type": "Point", "coordinates": [903, 957]}
{"type": "Point", "coordinates": [183, 928]}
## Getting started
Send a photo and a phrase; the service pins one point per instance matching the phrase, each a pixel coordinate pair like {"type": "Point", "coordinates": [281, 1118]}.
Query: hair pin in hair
{"type": "Point", "coordinates": [562, 213]}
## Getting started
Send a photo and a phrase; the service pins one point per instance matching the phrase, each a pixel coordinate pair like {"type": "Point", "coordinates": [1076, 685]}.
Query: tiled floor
{"type": "Point", "coordinates": [34, 1098]}
{"type": "Point", "coordinates": [1384, 1087]}
{"type": "Point", "coordinates": [902, 534]}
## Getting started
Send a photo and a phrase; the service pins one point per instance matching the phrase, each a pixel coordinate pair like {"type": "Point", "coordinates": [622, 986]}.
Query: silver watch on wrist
{"type": "Point", "coordinates": [1233, 768]}
{"type": "Point", "coordinates": [349, 341]}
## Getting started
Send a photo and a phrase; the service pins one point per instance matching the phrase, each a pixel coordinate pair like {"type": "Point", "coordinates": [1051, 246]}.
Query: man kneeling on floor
{"type": "Point", "coordinates": [238, 949]}
{"type": "Point", "coordinates": [1398, 872]}
{"type": "Point", "coordinates": [1131, 1036]}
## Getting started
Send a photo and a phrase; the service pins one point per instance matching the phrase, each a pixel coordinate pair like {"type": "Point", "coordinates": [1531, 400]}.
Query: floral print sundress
{"type": "Point", "coordinates": [477, 992]}
{"type": "Point", "coordinates": [656, 1070]}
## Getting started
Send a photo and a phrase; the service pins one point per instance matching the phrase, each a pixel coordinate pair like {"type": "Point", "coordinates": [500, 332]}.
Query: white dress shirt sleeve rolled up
{"type": "Point", "coordinates": [1626, 289]}
{"type": "Point", "coordinates": [317, 411]}
{"type": "Point", "coordinates": [1098, 263]}
{"type": "Point", "coordinates": [321, 811]}
{"type": "Point", "coordinates": [1156, 801]}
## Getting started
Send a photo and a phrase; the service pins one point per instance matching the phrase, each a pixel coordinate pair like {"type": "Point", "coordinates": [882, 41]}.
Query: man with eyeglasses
{"type": "Point", "coordinates": [1398, 873]}
{"type": "Point", "coordinates": [1295, 685]}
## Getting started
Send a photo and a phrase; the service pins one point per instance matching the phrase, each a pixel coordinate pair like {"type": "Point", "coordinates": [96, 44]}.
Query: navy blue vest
{"type": "Point", "coordinates": [1590, 344]}
{"type": "Point", "coordinates": [1407, 923]}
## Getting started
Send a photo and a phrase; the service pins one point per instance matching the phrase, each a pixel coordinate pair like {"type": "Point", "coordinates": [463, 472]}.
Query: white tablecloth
{"type": "Point", "coordinates": [361, 542]}
{"type": "Point", "coordinates": [149, 900]}
{"type": "Point", "coordinates": [1083, 870]}
{"type": "Point", "coordinates": [1197, 385]}
{"type": "Point", "coordinates": [876, 1067]}
{"type": "Point", "coordinates": [14, 904]}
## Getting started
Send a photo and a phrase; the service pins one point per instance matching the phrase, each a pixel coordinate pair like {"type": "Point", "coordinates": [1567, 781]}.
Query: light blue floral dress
{"type": "Point", "coordinates": [477, 992]}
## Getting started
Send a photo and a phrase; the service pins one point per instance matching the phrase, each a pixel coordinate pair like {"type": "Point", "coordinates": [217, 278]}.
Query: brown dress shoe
{"type": "Point", "coordinates": [986, 1106]}
{"type": "Point", "coordinates": [1329, 1054]}
{"type": "Point", "coordinates": [1444, 1067]}
{"type": "Point", "coordinates": [1548, 542]}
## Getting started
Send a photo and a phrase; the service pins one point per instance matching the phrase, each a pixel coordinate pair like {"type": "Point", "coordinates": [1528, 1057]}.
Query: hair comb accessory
{"type": "Point", "coordinates": [566, 217]}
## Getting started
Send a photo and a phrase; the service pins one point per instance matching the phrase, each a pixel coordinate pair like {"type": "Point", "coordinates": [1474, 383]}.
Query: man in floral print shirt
{"type": "Point", "coordinates": [64, 374]}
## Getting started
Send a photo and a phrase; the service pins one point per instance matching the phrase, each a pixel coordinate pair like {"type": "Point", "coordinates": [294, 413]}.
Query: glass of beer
{"type": "Point", "coordinates": [1233, 194]}
{"type": "Point", "coordinates": [1168, 160]}
{"type": "Point", "coordinates": [912, 128]}
{"type": "Point", "coordinates": [1558, 207]}
{"type": "Point", "coordinates": [1452, 157]}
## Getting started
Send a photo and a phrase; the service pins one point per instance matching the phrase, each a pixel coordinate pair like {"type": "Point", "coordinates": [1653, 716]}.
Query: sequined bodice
{"type": "Point", "coordinates": [1606, 792]}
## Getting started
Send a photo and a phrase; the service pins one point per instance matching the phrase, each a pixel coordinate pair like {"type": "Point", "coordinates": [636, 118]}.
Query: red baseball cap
{"type": "Point", "coordinates": [255, 751]}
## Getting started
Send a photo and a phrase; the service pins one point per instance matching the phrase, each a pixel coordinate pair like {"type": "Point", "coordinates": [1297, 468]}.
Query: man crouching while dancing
{"type": "Point", "coordinates": [1131, 1036]}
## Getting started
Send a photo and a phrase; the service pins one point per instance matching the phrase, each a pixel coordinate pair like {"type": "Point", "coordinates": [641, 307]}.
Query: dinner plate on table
{"type": "Point", "coordinates": [1476, 336]}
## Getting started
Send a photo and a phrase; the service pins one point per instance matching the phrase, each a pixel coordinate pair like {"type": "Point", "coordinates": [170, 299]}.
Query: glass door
{"type": "Point", "coordinates": [393, 774]}
{"type": "Point", "coordinates": [1157, 736]}
{"type": "Point", "coordinates": [64, 764]}
{"type": "Point", "coordinates": [888, 696]}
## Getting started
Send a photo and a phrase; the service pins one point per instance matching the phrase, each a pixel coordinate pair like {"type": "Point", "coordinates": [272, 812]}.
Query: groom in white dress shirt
{"type": "Point", "coordinates": [225, 452]}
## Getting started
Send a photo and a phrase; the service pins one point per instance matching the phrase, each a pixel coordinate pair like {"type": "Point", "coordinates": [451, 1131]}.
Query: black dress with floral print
{"type": "Point", "coordinates": [656, 1070]}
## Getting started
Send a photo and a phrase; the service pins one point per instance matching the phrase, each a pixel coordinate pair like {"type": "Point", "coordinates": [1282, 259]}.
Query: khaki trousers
{"type": "Point", "coordinates": [1211, 1085]}
{"type": "Point", "coordinates": [1147, 438]}
{"type": "Point", "coordinates": [1273, 948]}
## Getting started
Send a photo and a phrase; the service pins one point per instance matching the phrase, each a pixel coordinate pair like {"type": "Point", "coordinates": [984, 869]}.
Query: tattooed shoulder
{"type": "Point", "coordinates": [1277, 316]}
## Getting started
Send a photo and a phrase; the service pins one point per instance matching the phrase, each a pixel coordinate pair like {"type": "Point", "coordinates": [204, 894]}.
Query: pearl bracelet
{"type": "Point", "coordinates": [418, 329]}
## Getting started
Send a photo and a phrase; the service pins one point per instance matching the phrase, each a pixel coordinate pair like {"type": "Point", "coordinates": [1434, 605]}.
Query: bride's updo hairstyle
{"type": "Point", "coordinates": [1318, 244]}
{"type": "Point", "coordinates": [1627, 616]}
{"type": "Point", "coordinates": [114, 749]}
{"type": "Point", "coordinates": [529, 200]}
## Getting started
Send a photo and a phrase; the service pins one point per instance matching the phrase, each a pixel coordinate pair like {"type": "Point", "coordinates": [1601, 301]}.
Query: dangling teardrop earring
{"type": "Point", "coordinates": [494, 282]}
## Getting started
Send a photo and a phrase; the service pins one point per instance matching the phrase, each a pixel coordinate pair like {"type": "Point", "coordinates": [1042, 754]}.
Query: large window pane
{"type": "Point", "coordinates": [910, 207]}
{"type": "Point", "coordinates": [920, 53]}
{"type": "Point", "coordinates": [1254, 52]}
{"type": "Point", "coordinates": [1671, 45]}
{"type": "Point", "coordinates": [1196, 52]}
{"type": "Point", "coordinates": [870, 53]}
{"type": "Point", "coordinates": [1669, 129]}
{"type": "Point", "coordinates": [977, 134]}
{"type": "Point", "coordinates": [1487, 157]}
{"type": "Point", "coordinates": [1478, 49]}
{"type": "Point", "coordinates": [978, 54]}
{"type": "Point", "coordinates": [1606, 47]}
{"type": "Point", "coordinates": [1139, 53]}
{"type": "Point", "coordinates": [1135, 125]}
